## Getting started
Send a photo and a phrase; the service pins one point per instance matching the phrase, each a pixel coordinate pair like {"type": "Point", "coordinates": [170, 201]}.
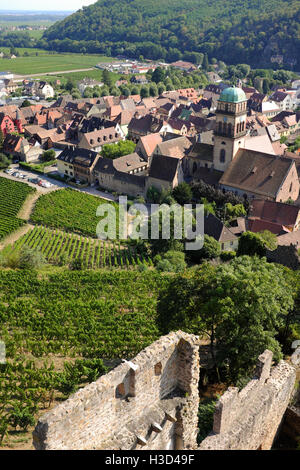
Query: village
{"type": "Point", "coordinates": [232, 138]}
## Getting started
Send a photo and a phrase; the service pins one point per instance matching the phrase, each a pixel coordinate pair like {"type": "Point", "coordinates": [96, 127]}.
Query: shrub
{"type": "Point", "coordinates": [76, 265]}
{"type": "Point", "coordinates": [227, 255]}
{"type": "Point", "coordinates": [30, 258]}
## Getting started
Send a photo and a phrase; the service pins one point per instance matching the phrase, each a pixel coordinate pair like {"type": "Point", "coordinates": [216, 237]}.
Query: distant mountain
{"type": "Point", "coordinates": [258, 32]}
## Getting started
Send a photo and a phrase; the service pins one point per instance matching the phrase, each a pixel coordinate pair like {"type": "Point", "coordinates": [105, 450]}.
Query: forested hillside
{"type": "Point", "coordinates": [248, 31]}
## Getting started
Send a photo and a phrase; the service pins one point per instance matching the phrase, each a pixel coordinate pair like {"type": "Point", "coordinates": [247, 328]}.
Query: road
{"type": "Point", "coordinates": [56, 184]}
{"type": "Point", "coordinates": [20, 78]}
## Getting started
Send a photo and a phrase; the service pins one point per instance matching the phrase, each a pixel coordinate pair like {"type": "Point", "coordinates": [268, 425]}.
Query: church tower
{"type": "Point", "coordinates": [230, 130]}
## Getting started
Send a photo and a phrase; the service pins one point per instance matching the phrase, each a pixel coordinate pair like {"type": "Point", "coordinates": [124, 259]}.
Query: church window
{"type": "Point", "coordinates": [291, 187]}
{"type": "Point", "coordinates": [222, 155]}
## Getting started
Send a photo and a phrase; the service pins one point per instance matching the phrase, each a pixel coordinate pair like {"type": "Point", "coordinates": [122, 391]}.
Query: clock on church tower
{"type": "Point", "coordinates": [230, 129]}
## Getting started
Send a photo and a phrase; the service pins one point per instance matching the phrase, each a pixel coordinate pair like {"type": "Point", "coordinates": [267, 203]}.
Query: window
{"type": "Point", "coordinates": [222, 155]}
{"type": "Point", "coordinates": [158, 368]}
{"type": "Point", "coordinates": [291, 187]}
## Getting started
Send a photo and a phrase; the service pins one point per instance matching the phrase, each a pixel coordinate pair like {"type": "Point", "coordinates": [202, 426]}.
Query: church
{"type": "Point", "coordinates": [242, 164]}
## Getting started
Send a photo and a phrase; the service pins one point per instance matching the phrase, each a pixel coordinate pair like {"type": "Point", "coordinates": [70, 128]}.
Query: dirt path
{"type": "Point", "coordinates": [19, 78]}
{"type": "Point", "coordinates": [13, 237]}
{"type": "Point", "coordinates": [26, 209]}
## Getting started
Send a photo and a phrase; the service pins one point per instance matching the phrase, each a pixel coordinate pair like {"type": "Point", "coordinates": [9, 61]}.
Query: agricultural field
{"type": "Point", "coordinates": [12, 197]}
{"type": "Point", "coordinates": [69, 210]}
{"type": "Point", "coordinates": [64, 248]}
{"type": "Point", "coordinates": [45, 62]}
{"type": "Point", "coordinates": [58, 326]}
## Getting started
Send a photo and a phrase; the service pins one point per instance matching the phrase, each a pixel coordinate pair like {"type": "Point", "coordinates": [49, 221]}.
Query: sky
{"type": "Point", "coordinates": [64, 5]}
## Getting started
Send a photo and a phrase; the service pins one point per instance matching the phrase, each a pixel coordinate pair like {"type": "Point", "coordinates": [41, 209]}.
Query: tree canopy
{"type": "Point", "coordinates": [240, 306]}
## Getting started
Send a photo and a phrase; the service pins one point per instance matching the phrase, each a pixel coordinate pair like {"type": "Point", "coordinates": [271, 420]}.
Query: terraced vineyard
{"type": "Point", "coordinates": [70, 210]}
{"type": "Point", "coordinates": [57, 246]}
{"type": "Point", "coordinates": [47, 321]}
{"type": "Point", "coordinates": [12, 196]}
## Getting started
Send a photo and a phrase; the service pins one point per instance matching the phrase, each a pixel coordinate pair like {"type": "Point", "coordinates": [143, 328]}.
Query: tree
{"type": "Point", "coordinates": [48, 155]}
{"type": "Point", "coordinates": [183, 193]}
{"type": "Point", "coordinates": [1, 139]}
{"type": "Point", "coordinates": [25, 104]}
{"type": "Point", "coordinates": [239, 305]}
{"type": "Point", "coordinates": [171, 261]}
{"type": "Point", "coordinates": [251, 244]}
{"type": "Point", "coordinates": [205, 62]}
{"type": "Point", "coordinates": [269, 239]}
{"type": "Point", "coordinates": [153, 195]}
{"type": "Point", "coordinates": [4, 161]}
{"type": "Point", "coordinates": [158, 75]}
{"type": "Point", "coordinates": [70, 85]}
{"type": "Point", "coordinates": [30, 258]}
{"type": "Point", "coordinates": [211, 249]}
{"type": "Point", "coordinates": [124, 147]}
{"type": "Point", "coordinates": [107, 78]}
{"type": "Point", "coordinates": [232, 212]}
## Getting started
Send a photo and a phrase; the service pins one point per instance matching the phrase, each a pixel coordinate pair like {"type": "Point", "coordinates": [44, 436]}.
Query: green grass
{"type": "Point", "coordinates": [46, 62]}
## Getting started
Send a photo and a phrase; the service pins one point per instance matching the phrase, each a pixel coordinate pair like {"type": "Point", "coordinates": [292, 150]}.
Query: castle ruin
{"type": "Point", "coordinates": [152, 403]}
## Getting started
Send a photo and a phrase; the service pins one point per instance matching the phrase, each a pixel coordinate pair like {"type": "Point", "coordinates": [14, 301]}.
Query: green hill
{"type": "Point", "coordinates": [236, 31]}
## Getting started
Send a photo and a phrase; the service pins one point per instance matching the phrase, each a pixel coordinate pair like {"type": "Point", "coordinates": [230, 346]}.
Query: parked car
{"type": "Point", "coordinates": [33, 180]}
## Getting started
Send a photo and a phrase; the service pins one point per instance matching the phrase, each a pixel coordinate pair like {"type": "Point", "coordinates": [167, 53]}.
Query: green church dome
{"type": "Point", "coordinates": [233, 95]}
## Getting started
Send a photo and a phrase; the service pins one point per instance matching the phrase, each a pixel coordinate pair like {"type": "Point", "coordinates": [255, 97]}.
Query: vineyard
{"type": "Point", "coordinates": [63, 248]}
{"type": "Point", "coordinates": [12, 196]}
{"type": "Point", "coordinates": [69, 210]}
{"type": "Point", "coordinates": [85, 317]}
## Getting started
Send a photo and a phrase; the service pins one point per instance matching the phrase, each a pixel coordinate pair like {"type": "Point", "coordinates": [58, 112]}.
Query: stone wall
{"type": "Point", "coordinates": [150, 402]}
{"type": "Point", "coordinates": [249, 419]}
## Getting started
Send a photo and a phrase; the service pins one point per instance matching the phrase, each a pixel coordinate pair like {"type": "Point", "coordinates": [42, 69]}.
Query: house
{"type": "Point", "coordinates": [40, 89]}
{"type": "Point", "coordinates": [96, 139]}
{"type": "Point", "coordinates": [283, 100]}
{"type": "Point", "coordinates": [88, 83]}
{"type": "Point", "coordinates": [77, 163]}
{"type": "Point", "coordinates": [165, 172]}
{"type": "Point", "coordinates": [139, 79]}
{"type": "Point", "coordinates": [175, 147]}
{"type": "Point", "coordinates": [30, 150]}
{"type": "Point", "coordinates": [281, 217]}
{"type": "Point", "coordinates": [10, 85]}
{"type": "Point", "coordinates": [118, 176]}
{"type": "Point", "coordinates": [144, 125]}
{"type": "Point", "coordinates": [7, 125]}
{"type": "Point", "coordinates": [12, 144]}
{"type": "Point", "coordinates": [213, 77]}
{"type": "Point", "coordinates": [185, 66]}
{"type": "Point", "coordinates": [147, 144]}
{"type": "Point", "coordinates": [213, 227]}
{"type": "Point", "coordinates": [255, 175]}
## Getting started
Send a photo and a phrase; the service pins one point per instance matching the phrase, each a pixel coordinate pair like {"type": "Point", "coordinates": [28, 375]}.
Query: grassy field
{"type": "Point", "coordinates": [45, 62]}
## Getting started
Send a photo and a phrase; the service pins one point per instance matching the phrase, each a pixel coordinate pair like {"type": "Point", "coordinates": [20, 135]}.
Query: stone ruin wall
{"type": "Point", "coordinates": [150, 402]}
{"type": "Point", "coordinates": [249, 419]}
